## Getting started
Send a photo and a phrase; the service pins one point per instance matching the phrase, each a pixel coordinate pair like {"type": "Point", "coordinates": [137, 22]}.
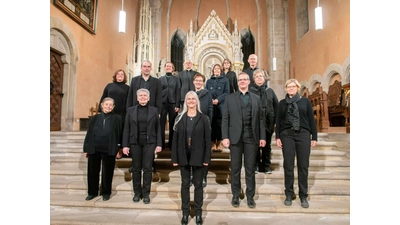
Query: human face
{"type": "Point", "coordinates": [217, 71]}
{"type": "Point", "coordinates": [259, 79]}
{"type": "Point", "coordinates": [191, 102]}
{"type": "Point", "coordinates": [292, 89]}
{"type": "Point", "coordinates": [188, 64]}
{"type": "Point", "coordinates": [107, 106]}
{"type": "Point", "coordinates": [252, 60]}
{"type": "Point", "coordinates": [226, 65]}
{"type": "Point", "coordinates": [120, 76]}
{"type": "Point", "coordinates": [198, 83]}
{"type": "Point", "coordinates": [143, 98]}
{"type": "Point", "coordinates": [169, 68]}
{"type": "Point", "coordinates": [243, 82]}
{"type": "Point", "coordinates": [146, 68]}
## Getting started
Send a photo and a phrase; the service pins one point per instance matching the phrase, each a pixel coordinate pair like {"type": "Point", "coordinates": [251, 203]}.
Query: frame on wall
{"type": "Point", "coordinates": [82, 11]}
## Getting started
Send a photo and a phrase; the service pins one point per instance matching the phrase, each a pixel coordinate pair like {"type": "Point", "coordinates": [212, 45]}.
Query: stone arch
{"type": "Point", "coordinates": [63, 41]}
{"type": "Point", "coordinates": [346, 71]}
{"type": "Point", "coordinates": [208, 58]}
{"type": "Point", "coordinates": [333, 70]}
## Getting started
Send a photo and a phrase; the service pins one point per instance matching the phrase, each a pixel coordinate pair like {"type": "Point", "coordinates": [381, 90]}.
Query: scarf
{"type": "Point", "coordinates": [292, 113]}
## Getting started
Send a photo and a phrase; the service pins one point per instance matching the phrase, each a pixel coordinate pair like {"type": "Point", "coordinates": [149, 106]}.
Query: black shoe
{"type": "Point", "coordinates": [304, 203]}
{"type": "Point", "coordinates": [146, 200]}
{"type": "Point", "coordinates": [256, 171]}
{"type": "Point", "coordinates": [185, 220]}
{"type": "Point", "coordinates": [251, 203]}
{"type": "Point", "coordinates": [136, 198]}
{"type": "Point", "coordinates": [106, 197]}
{"type": "Point", "coordinates": [199, 220]}
{"type": "Point", "coordinates": [204, 182]}
{"type": "Point", "coordinates": [288, 201]}
{"type": "Point", "coordinates": [90, 197]}
{"type": "Point", "coordinates": [235, 202]}
{"type": "Point", "coordinates": [268, 170]}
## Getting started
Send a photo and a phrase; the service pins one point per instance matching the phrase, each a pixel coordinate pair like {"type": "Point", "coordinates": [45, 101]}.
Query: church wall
{"type": "Point", "coordinates": [100, 54]}
{"type": "Point", "coordinates": [318, 49]}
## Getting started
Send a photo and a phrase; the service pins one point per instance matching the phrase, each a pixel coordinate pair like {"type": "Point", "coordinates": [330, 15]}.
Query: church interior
{"type": "Point", "coordinates": [87, 45]}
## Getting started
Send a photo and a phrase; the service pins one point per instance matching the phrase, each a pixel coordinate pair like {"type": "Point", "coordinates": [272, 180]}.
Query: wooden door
{"type": "Point", "coordinates": [56, 90]}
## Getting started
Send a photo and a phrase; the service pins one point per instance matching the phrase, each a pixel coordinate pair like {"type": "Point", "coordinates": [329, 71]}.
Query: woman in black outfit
{"type": "Point", "coordinates": [296, 133]}
{"type": "Point", "coordinates": [231, 75]}
{"type": "Point", "coordinates": [117, 90]}
{"type": "Point", "coordinates": [191, 149]}
{"type": "Point", "coordinates": [101, 144]}
{"type": "Point", "coordinates": [142, 138]}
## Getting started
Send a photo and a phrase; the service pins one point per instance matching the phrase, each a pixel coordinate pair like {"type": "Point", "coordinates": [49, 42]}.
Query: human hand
{"type": "Point", "coordinates": [125, 150]}
{"type": "Point", "coordinates": [279, 143]}
{"type": "Point", "coordinates": [226, 142]}
{"type": "Point", "coordinates": [176, 109]}
{"type": "Point", "coordinates": [85, 154]}
{"type": "Point", "coordinates": [313, 143]}
{"type": "Point", "coordinates": [175, 164]}
{"type": "Point", "coordinates": [158, 149]}
{"type": "Point", "coordinates": [262, 143]}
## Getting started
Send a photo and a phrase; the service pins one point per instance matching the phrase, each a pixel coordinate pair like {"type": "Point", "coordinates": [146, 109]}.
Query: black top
{"type": "Point", "coordinates": [119, 92]}
{"type": "Point", "coordinates": [306, 114]}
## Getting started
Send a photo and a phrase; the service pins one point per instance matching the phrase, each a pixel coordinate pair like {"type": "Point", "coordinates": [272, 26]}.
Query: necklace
{"type": "Point", "coordinates": [104, 120]}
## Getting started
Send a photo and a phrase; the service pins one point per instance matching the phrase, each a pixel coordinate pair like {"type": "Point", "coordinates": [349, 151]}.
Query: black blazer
{"type": "Point", "coordinates": [154, 86]}
{"type": "Point", "coordinates": [232, 118]}
{"type": "Point", "coordinates": [186, 79]}
{"type": "Point", "coordinates": [130, 134]}
{"type": "Point", "coordinates": [171, 90]}
{"type": "Point", "coordinates": [201, 142]}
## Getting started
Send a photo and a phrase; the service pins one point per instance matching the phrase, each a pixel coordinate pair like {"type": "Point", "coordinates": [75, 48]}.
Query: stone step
{"type": "Point", "coordinates": [94, 215]}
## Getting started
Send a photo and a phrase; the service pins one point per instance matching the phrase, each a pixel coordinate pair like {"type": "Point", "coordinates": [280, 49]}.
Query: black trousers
{"type": "Point", "coordinates": [296, 144]}
{"type": "Point", "coordinates": [198, 189]}
{"type": "Point", "coordinates": [142, 160]}
{"type": "Point", "coordinates": [248, 150]}
{"type": "Point", "coordinates": [96, 162]}
{"type": "Point", "coordinates": [216, 133]}
{"type": "Point", "coordinates": [263, 157]}
{"type": "Point", "coordinates": [167, 109]}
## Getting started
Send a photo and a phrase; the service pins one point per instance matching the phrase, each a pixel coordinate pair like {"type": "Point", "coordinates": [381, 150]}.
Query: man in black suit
{"type": "Point", "coordinates": [186, 78]}
{"type": "Point", "coordinates": [145, 80]}
{"type": "Point", "coordinates": [252, 60]}
{"type": "Point", "coordinates": [243, 132]}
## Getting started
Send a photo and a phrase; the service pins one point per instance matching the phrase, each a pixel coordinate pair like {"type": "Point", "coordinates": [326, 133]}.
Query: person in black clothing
{"type": "Point", "coordinates": [145, 80]}
{"type": "Point", "coordinates": [218, 87]}
{"type": "Point", "coordinates": [269, 103]}
{"type": "Point", "coordinates": [101, 144]}
{"type": "Point", "coordinates": [186, 78]}
{"type": "Point", "coordinates": [243, 132]}
{"type": "Point", "coordinates": [117, 90]}
{"type": "Point", "coordinates": [206, 107]}
{"type": "Point", "coordinates": [171, 99]}
{"type": "Point", "coordinates": [142, 138]}
{"type": "Point", "coordinates": [253, 59]}
{"type": "Point", "coordinates": [296, 133]}
{"type": "Point", "coordinates": [191, 150]}
{"type": "Point", "coordinates": [231, 75]}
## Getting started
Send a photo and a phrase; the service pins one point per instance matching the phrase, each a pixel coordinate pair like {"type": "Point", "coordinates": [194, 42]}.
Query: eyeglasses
{"type": "Point", "coordinates": [258, 76]}
{"type": "Point", "coordinates": [290, 87]}
{"type": "Point", "coordinates": [242, 79]}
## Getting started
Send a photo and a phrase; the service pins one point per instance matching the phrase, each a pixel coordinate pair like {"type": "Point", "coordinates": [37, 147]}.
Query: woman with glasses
{"type": "Point", "coordinates": [296, 133]}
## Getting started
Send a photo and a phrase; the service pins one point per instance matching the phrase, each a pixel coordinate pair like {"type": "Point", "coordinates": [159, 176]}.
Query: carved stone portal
{"type": "Point", "coordinates": [212, 44]}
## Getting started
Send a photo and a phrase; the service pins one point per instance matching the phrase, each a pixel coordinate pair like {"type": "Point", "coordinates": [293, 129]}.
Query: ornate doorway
{"type": "Point", "coordinates": [56, 93]}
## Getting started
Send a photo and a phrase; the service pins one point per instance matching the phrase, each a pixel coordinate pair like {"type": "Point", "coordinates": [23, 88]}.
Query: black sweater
{"type": "Point", "coordinates": [306, 113]}
{"type": "Point", "coordinates": [119, 92]}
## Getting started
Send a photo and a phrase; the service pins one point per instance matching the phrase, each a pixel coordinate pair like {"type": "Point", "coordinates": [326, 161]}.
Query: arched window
{"type": "Point", "coordinates": [177, 52]}
{"type": "Point", "coordinates": [247, 48]}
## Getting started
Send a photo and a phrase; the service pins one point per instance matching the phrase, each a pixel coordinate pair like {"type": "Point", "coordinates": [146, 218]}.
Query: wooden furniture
{"type": "Point", "coordinates": [319, 102]}
{"type": "Point", "coordinates": [338, 105]}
